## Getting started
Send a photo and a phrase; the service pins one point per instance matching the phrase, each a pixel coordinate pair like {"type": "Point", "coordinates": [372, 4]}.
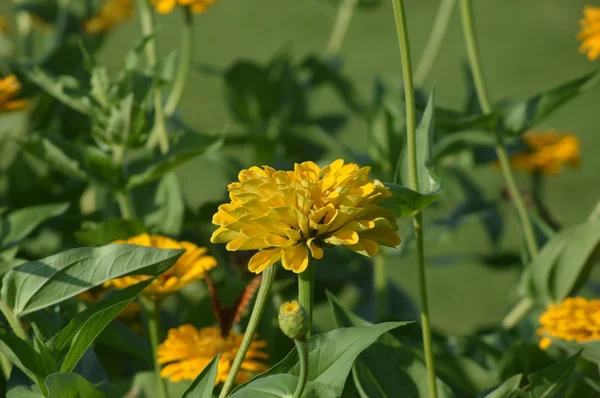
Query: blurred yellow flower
{"type": "Point", "coordinates": [110, 13]}
{"type": "Point", "coordinates": [292, 215]}
{"type": "Point", "coordinates": [95, 294]}
{"type": "Point", "coordinates": [575, 319]}
{"type": "Point", "coordinates": [3, 25]}
{"type": "Point", "coordinates": [196, 6]}
{"type": "Point", "coordinates": [190, 267]}
{"type": "Point", "coordinates": [548, 152]}
{"type": "Point", "coordinates": [9, 89]}
{"type": "Point", "coordinates": [590, 32]}
{"type": "Point", "coordinates": [187, 351]}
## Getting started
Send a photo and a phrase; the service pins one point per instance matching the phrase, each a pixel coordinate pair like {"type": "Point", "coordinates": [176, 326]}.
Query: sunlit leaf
{"type": "Point", "coordinates": [204, 384]}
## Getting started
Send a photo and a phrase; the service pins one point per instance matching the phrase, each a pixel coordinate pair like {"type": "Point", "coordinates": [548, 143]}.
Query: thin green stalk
{"type": "Point", "coordinates": [257, 311]}
{"type": "Point", "coordinates": [123, 199]}
{"type": "Point", "coordinates": [411, 147]}
{"type": "Point", "coordinates": [434, 42]}
{"type": "Point", "coordinates": [340, 26]}
{"type": "Point", "coordinates": [152, 311]}
{"type": "Point", "coordinates": [24, 29]}
{"type": "Point", "coordinates": [13, 321]}
{"type": "Point", "coordinates": [159, 133]}
{"type": "Point", "coordinates": [380, 286]}
{"type": "Point", "coordinates": [303, 355]}
{"type": "Point", "coordinates": [306, 291]}
{"type": "Point", "coordinates": [185, 62]}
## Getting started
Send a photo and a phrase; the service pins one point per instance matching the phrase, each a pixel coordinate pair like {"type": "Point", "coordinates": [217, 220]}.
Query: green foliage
{"type": "Point", "coordinates": [204, 384]}
{"type": "Point", "coordinates": [70, 385]}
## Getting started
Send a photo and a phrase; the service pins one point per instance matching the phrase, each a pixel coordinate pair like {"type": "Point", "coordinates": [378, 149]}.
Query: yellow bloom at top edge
{"type": "Point", "coordinates": [292, 215]}
{"type": "Point", "coordinates": [187, 351]}
{"type": "Point", "coordinates": [190, 267]}
{"type": "Point", "coordinates": [9, 89]}
{"type": "Point", "coordinates": [549, 151]}
{"type": "Point", "coordinates": [574, 319]}
{"type": "Point", "coordinates": [195, 6]}
{"type": "Point", "coordinates": [110, 13]}
{"type": "Point", "coordinates": [590, 32]}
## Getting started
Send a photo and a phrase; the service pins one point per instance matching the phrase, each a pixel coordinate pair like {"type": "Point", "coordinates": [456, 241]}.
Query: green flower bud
{"type": "Point", "coordinates": [293, 320]}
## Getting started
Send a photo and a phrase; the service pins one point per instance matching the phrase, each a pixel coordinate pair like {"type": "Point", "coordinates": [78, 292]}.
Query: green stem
{"type": "Point", "coordinates": [159, 133]}
{"type": "Point", "coordinates": [13, 321]}
{"type": "Point", "coordinates": [185, 62]}
{"type": "Point", "coordinates": [517, 313]}
{"type": "Point", "coordinates": [595, 214]}
{"type": "Point", "coordinates": [24, 29]}
{"type": "Point", "coordinates": [380, 286]}
{"type": "Point", "coordinates": [152, 310]}
{"type": "Point", "coordinates": [303, 355]}
{"type": "Point", "coordinates": [411, 133]}
{"type": "Point", "coordinates": [306, 291]}
{"type": "Point", "coordinates": [340, 26]}
{"type": "Point", "coordinates": [123, 199]}
{"type": "Point", "coordinates": [434, 42]}
{"type": "Point", "coordinates": [257, 311]}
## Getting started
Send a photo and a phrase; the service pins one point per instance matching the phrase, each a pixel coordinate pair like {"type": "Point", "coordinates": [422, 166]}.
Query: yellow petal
{"type": "Point", "coordinates": [263, 259]}
{"type": "Point", "coordinates": [224, 235]}
{"type": "Point", "coordinates": [295, 258]}
{"type": "Point", "coordinates": [343, 237]}
{"type": "Point", "coordinates": [315, 250]}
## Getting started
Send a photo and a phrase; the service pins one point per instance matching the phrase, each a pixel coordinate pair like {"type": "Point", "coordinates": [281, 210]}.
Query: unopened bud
{"type": "Point", "coordinates": [293, 320]}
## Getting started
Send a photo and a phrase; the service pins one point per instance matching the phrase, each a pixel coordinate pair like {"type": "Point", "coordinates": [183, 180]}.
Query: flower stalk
{"type": "Point", "coordinates": [306, 291]}
{"type": "Point", "coordinates": [257, 311]}
{"type": "Point", "coordinates": [123, 199]}
{"type": "Point", "coordinates": [380, 286]}
{"type": "Point", "coordinates": [152, 311]}
{"type": "Point", "coordinates": [411, 146]}
{"type": "Point", "coordinates": [185, 62]}
{"type": "Point", "coordinates": [340, 26]}
{"type": "Point", "coordinates": [303, 356]}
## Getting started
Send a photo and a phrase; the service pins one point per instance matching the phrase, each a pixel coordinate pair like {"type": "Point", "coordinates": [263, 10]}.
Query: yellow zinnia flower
{"type": "Point", "coordinates": [9, 88]}
{"type": "Point", "coordinates": [110, 13]}
{"type": "Point", "coordinates": [187, 351]}
{"type": "Point", "coordinates": [292, 215]}
{"type": "Point", "coordinates": [190, 267]}
{"type": "Point", "coordinates": [590, 32]}
{"type": "Point", "coordinates": [575, 319]}
{"type": "Point", "coordinates": [548, 152]}
{"type": "Point", "coordinates": [196, 6]}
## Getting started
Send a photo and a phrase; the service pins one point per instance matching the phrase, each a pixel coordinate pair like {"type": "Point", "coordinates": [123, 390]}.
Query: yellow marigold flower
{"type": "Point", "coordinates": [9, 89]}
{"type": "Point", "coordinates": [190, 267]}
{"type": "Point", "coordinates": [95, 294]}
{"type": "Point", "coordinates": [196, 6]}
{"type": "Point", "coordinates": [575, 319]}
{"type": "Point", "coordinates": [548, 152]}
{"type": "Point", "coordinates": [590, 32]}
{"type": "Point", "coordinates": [292, 215]}
{"type": "Point", "coordinates": [110, 13]}
{"type": "Point", "coordinates": [187, 351]}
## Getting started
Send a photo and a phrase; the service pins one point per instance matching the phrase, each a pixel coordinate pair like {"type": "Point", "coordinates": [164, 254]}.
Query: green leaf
{"type": "Point", "coordinates": [204, 384]}
{"type": "Point", "coordinates": [70, 385]}
{"type": "Point", "coordinates": [47, 363]}
{"type": "Point", "coordinates": [21, 354]}
{"type": "Point", "coordinates": [332, 354]}
{"type": "Point", "coordinates": [167, 218]}
{"type": "Point", "coordinates": [122, 339]}
{"type": "Point", "coordinates": [186, 148]}
{"type": "Point", "coordinates": [58, 153]}
{"type": "Point", "coordinates": [386, 368]}
{"type": "Point", "coordinates": [39, 284]}
{"type": "Point", "coordinates": [506, 389]}
{"type": "Point", "coordinates": [405, 202]}
{"type": "Point", "coordinates": [282, 386]}
{"type": "Point", "coordinates": [549, 381]}
{"type": "Point", "coordinates": [66, 89]}
{"type": "Point", "coordinates": [105, 232]}
{"type": "Point", "coordinates": [459, 141]}
{"type": "Point", "coordinates": [83, 329]}
{"type": "Point", "coordinates": [520, 117]}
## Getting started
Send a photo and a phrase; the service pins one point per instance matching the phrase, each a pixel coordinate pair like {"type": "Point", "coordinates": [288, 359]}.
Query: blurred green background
{"type": "Point", "coordinates": [527, 46]}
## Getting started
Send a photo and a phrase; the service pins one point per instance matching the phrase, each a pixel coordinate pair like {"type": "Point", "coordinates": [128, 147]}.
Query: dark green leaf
{"type": "Point", "coordinates": [70, 385]}
{"type": "Point", "coordinates": [58, 153]}
{"type": "Point", "coordinates": [405, 202]}
{"type": "Point", "coordinates": [283, 386]}
{"type": "Point", "coordinates": [64, 88]}
{"type": "Point", "coordinates": [167, 218]}
{"type": "Point", "coordinates": [456, 142]}
{"type": "Point", "coordinates": [506, 389]}
{"type": "Point", "coordinates": [204, 384]}
{"type": "Point", "coordinates": [103, 233]}
{"type": "Point", "coordinates": [550, 381]}
{"type": "Point", "coordinates": [47, 363]}
{"type": "Point", "coordinates": [251, 97]}
{"type": "Point", "coordinates": [21, 354]}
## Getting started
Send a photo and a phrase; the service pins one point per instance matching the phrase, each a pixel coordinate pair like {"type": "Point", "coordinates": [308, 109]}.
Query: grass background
{"type": "Point", "coordinates": [527, 46]}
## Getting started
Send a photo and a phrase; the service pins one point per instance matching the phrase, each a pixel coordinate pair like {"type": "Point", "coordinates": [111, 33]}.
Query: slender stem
{"type": "Point", "coordinates": [303, 355]}
{"type": "Point", "coordinates": [380, 286]}
{"type": "Point", "coordinates": [13, 321]}
{"type": "Point", "coordinates": [340, 26]}
{"type": "Point", "coordinates": [306, 291]}
{"type": "Point", "coordinates": [517, 313]}
{"type": "Point", "coordinates": [123, 199]}
{"type": "Point", "coordinates": [185, 62]}
{"type": "Point", "coordinates": [595, 214]}
{"type": "Point", "coordinates": [434, 42]}
{"type": "Point", "coordinates": [411, 133]}
{"type": "Point", "coordinates": [257, 311]}
{"type": "Point", "coordinates": [24, 29]}
{"type": "Point", "coordinates": [159, 133]}
{"type": "Point", "coordinates": [152, 310]}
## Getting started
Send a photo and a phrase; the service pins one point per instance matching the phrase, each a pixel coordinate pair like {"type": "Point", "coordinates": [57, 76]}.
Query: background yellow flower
{"type": "Point", "coordinates": [9, 89]}
{"type": "Point", "coordinates": [549, 151]}
{"type": "Point", "coordinates": [292, 215]}
{"type": "Point", "coordinates": [196, 6]}
{"type": "Point", "coordinates": [110, 13]}
{"type": "Point", "coordinates": [575, 319]}
{"type": "Point", "coordinates": [590, 32]}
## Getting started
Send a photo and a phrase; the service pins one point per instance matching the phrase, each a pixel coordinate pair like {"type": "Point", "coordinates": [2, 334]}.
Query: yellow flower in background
{"type": "Point", "coordinates": [3, 25]}
{"type": "Point", "coordinates": [575, 319]}
{"type": "Point", "coordinates": [110, 13]}
{"type": "Point", "coordinates": [190, 267]}
{"type": "Point", "coordinates": [590, 32]}
{"type": "Point", "coordinates": [9, 89]}
{"type": "Point", "coordinates": [549, 151]}
{"type": "Point", "coordinates": [292, 215]}
{"type": "Point", "coordinates": [187, 351]}
{"type": "Point", "coordinates": [196, 6]}
{"type": "Point", "coordinates": [95, 294]}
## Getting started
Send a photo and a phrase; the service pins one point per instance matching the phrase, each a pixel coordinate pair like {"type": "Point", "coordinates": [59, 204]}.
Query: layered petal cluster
{"type": "Point", "coordinates": [549, 151]}
{"type": "Point", "coordinates": [9, 90]}
{"type": "Point", "coordinates": [110, 13]}
{"type": "Point", "coordinates": [187, 351]}
{"type": "Point", "coordinates": [190, 267]}
{"type": "Point", "coordinates": [292, 215]}
{"type": "Point", "coordinates": [590, 32]}
{"type": "Point", "coordinates": [575, 319]}
{"type": "Point", "coordinates": [195, 6]}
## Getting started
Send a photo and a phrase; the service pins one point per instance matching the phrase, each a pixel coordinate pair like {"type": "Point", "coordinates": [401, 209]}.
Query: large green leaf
{"type": "Point", "coordinates": [21, 354]}
{"type": "Point", "coordinates": [204, 384]}
{"type": "Point", "coordinates": [549, 381]}
{"type": "Point", "coordinates": [332, 354]}
{"type": "Point", "coordinates": [386, 368]}
{"type": "Point", "coordinates": [405, 202]}
{"type": "Point", "coordinates": [38, 284]}
{"type": "Point", "coordinates": [283, 386]}
{"type": "Point", "coordinates": [168, 207]}
{"type": "Point", "coordinates": [66, 89]}
{"type": "Point", "coordinates": [70, 385]}
{"type": "Point", "coordinates": [508, 389]}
